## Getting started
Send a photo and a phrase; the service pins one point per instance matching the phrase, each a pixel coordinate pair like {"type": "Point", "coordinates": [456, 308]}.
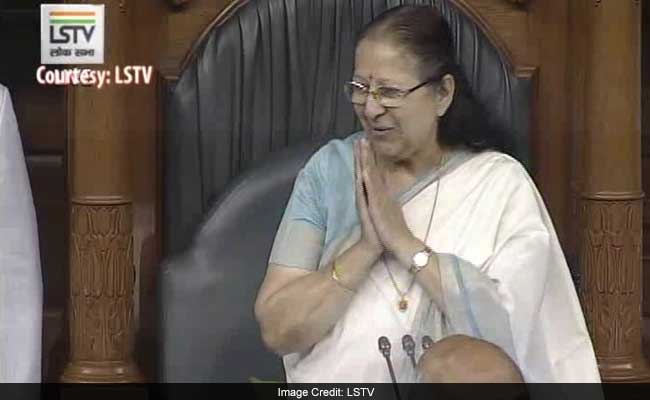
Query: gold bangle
{"type": "Point", "coordinates": [337, 278]}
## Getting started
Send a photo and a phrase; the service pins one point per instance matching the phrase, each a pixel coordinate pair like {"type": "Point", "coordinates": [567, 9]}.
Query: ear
{"type": "Point", "coordinates": [445, 94]}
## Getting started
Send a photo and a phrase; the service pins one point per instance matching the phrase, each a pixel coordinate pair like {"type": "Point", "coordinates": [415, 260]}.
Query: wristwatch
{"type": "Point", "coordinates": [420, 260]}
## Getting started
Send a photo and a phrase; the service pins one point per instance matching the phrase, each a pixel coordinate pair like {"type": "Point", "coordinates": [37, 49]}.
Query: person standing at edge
{"type": "Point", "coordinates": [21, 288]}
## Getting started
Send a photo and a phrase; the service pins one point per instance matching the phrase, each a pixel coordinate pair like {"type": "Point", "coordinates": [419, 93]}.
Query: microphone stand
{"type": "Point", "coordinates": [384, 349]}
{"type": "Point", "coordinates": [408, 344]}
{"type": "Point", "coordinates": [427, 342]}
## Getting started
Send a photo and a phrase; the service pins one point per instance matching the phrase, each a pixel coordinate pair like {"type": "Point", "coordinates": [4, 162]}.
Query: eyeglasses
{"type": "Point", "coordinates": [389, 97]}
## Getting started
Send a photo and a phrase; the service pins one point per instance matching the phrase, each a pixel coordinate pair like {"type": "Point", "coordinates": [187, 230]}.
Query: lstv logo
{"type": "Point", "coordinates": [72, 34]}
{"type": "Point", "coordinates": [70, 23]}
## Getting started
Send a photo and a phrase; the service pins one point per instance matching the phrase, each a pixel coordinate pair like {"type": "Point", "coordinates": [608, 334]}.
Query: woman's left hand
{"type": "Point", "coordinates": [385, 212]}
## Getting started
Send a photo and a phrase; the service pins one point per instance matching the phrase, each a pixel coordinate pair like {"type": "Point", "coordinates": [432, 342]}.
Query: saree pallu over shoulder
{"type": "Point", "coordinates": [504, 277]}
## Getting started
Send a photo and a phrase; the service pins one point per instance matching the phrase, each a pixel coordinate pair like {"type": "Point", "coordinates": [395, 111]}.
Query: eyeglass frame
{"type": "Point", "coordinates": [376, 96]}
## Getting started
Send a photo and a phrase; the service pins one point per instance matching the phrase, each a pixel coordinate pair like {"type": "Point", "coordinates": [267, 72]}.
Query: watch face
{"type": "Point", "coordinates": [421, 259]}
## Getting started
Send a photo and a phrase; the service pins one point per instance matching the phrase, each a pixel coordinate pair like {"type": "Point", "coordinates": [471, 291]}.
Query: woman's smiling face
{"type": "Point", "coordinates": [402, 133]}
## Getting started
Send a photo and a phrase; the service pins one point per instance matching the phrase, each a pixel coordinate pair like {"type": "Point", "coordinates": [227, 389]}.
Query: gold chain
{"type": "Point", "coordinates": [403, 303]}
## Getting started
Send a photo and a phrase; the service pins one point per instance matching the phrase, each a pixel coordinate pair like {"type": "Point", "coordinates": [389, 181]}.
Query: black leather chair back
{"type": "Point", "coordinates": [266, 79]}
{"type": "Point", "coordinates": [208, 330]}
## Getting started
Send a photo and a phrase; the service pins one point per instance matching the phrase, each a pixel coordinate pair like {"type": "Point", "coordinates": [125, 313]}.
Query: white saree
{"type": "Point", "coordinates": [504, 276]}
{"type": "Point", "coordinates": [20, 271]}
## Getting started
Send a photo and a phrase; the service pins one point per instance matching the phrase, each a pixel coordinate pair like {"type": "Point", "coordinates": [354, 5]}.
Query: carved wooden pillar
{"type": "Point", "coordinates": [612, 198]}
{"type": "Point", "coordinates": [102, 274]}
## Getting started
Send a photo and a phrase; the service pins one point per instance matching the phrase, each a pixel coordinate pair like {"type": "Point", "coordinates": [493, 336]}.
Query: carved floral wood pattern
{"type": "Point", "coordinates": [101, 282]}
{"type": "Point", "coordinates": [612, 272]}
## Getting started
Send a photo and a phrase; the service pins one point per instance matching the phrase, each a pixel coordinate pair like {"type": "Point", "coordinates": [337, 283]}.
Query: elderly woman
{"type": "Point", "coordinates": [419, 225]}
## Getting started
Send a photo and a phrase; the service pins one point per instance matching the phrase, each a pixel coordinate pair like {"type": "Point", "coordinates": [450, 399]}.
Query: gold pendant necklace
{"type": "Point", "coordinates": [403, 302]}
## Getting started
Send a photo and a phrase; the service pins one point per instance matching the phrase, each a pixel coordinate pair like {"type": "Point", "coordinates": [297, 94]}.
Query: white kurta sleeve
{"type": "Point", "coordinates": [505, 299]}
{"type": "Point", "coordinates": [20, 270]}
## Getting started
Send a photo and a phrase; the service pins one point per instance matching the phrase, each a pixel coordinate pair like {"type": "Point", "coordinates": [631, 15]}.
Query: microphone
{"type": "Point", "coordinates": [384, 349]}
{"type": "Point", "coordinates": [427, 342]}
{"type": "Point", "coordinates": [408, 344]}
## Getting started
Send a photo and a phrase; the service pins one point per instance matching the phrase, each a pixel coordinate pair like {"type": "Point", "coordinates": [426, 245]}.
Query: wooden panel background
{"type": "Point", "coordinates": [540, 34]}
{"type": "Point", "coordinates": [645, 153]}
{"type": "Point", "coordinates": [645, 140]}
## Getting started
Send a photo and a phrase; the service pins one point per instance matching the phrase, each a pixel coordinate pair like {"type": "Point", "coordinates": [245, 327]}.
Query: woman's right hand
{"type": "Point", "coordinates": [368, 233]}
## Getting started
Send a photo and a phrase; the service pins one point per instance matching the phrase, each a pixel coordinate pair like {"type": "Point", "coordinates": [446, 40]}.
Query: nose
{"type": "Point", "coordinates": [372, 108]}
